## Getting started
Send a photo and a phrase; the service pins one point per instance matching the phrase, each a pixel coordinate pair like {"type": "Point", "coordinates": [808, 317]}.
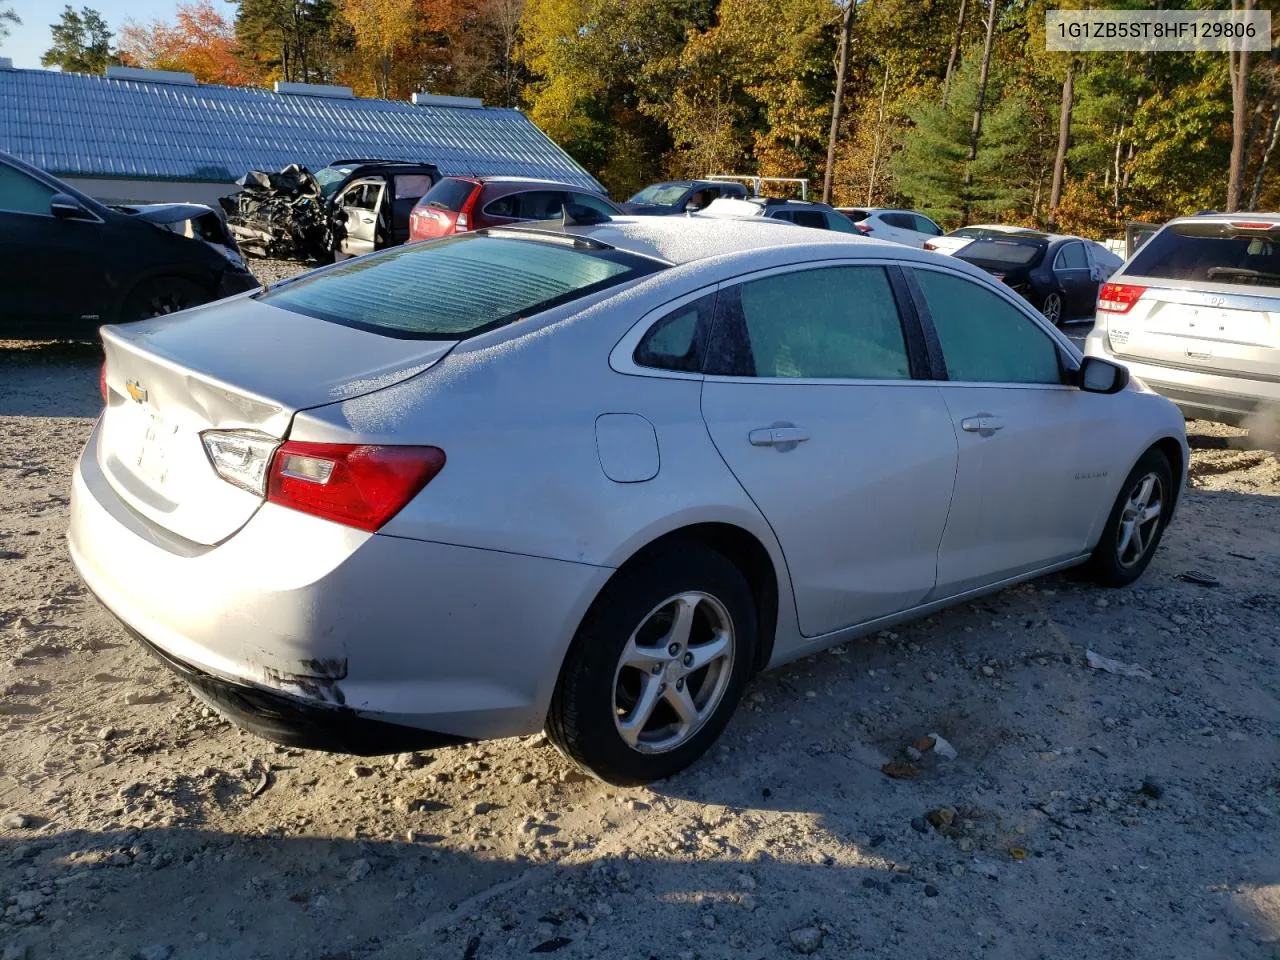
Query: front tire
{"type": "Point", "coordinates": [657, 667]}
{"type": "Point", "coordinates": [1136, 523]}
{"type": "Point", "coordinates": [162, 296]}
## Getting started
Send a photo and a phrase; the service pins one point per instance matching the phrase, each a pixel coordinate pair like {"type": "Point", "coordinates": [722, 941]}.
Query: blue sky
{"type": "Point", "coordinates": [26, 43]}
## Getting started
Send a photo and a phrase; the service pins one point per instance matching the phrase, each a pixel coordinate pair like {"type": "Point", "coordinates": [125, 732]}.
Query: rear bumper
{"type": "Point", "coordinates": [293, 721]}
{"type": "Point", "coordinates": [1199, 394]}
{"type": "Point", "coordinates": [315, 634]}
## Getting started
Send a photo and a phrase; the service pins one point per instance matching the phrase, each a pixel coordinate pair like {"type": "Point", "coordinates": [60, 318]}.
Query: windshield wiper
{"type": "Point", "coordinates": [1242, 273]}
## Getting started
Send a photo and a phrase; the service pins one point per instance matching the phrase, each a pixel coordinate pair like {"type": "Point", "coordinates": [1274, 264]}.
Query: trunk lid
{"type": "Point", "coordinates": [237, 365]}
{"type": "Point", "coordinates": [1212, 327]}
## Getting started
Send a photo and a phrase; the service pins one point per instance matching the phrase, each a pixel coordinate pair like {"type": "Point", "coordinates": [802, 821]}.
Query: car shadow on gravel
{"type": "Point", "coordinates": [50, 378]}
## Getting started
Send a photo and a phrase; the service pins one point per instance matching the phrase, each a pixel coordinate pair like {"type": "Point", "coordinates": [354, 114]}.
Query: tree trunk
{"type": "Point", "coordinates": [976, 130]}
{"type": "Point", "coordinates": [842, 67]}
{"type": "Point", "coordinates": [1238, 65]}
{"type": "Point", "coordinates": [1256, 193]}
{"type": "Point", "coordinates": [875, 153]}
{"type": "Point", "coordinates": [955, 52]}
{"type": "Point", "coordinates": [1064, 137]}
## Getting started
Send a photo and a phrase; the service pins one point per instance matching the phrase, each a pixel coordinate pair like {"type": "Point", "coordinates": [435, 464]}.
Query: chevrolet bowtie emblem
{"type": "Point", "coordinates": [136, 390]}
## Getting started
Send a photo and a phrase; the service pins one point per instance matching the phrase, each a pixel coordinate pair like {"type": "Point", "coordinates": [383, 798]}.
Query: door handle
{"type": "Point", "coordinates": [983, 423]}
{"type": "Point", "coordinates": [777, 436]}
{"type": "Point", "coordinates": [366, 219]}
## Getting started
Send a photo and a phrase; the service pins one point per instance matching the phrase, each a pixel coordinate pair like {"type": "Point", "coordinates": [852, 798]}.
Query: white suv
{"type": "Point", "coordinates": [900, 226]}
{"type": "Point", "coordinates": [1196, 315]}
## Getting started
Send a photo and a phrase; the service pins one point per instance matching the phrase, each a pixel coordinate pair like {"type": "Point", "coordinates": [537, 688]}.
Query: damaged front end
{"type": "Point", "coordinates": [282, 215]}
{"type": "Point", "coordinates": [195, 221]}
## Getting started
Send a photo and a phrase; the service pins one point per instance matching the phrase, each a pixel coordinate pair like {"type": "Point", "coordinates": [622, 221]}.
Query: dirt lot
{"type": "Point", "coordinates": [1086, 815]}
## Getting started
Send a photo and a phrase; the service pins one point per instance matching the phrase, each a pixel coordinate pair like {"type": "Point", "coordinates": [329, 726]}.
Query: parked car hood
{"type": "Point", "coordinates": [165, 213]}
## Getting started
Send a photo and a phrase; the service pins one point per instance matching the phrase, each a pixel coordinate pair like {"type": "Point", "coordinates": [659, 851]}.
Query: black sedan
{"type": "Point", "coordinates": [69, 264]}
{"type": "Point", "coordinates": [1058, 274]}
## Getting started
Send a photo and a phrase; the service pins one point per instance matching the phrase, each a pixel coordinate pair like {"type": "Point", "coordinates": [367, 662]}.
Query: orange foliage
{"type": "Point", "coordinates": [201, 42]}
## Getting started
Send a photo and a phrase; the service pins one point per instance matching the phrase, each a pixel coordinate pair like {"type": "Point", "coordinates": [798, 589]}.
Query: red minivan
{"type": "Point", "coordinates": [456, 204]}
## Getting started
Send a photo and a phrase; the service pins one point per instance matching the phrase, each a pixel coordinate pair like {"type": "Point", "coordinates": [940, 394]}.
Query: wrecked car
{"type": "Point", "coordinates": [343, 210]}
{"type": "Point", "coordinates": [69, 263]}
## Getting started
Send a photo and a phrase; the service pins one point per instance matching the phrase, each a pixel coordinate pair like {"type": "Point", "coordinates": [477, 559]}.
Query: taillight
{"type": "Point", "coordinates": [929, 246]}
{"type": "Point", "coordinates": [102, 382]}
{"type": "Point", "coordinates": [1251, 224]}
{"type": "Point", "coordinates": [862, 228]}
{"type": "Point", "coordinates": [241, 459]}
{"type": "Point", "coordinates": [359, 485]}
{"type": "Point", "coordinates": [1119, 297]}
{"type": "Point", "coordinates": [463, 221]}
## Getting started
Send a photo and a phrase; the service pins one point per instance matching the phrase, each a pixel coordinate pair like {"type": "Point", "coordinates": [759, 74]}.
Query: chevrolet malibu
{"type": "Point", "coordinates": [592, 478]}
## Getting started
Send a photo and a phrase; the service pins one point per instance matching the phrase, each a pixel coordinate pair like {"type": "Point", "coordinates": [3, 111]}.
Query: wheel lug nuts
{"type": "Point", "coordinates": [657, 669]}
{"type": "Point", "coordinates": [673, 649]}
{"type": "Point", "coordinates": [679, 684]}
{"type": "Point", "coordinates": [688, 659]}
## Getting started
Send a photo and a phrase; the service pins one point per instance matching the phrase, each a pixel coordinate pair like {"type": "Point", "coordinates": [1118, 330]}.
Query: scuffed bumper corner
{"type": "Point", "coordinates": [315, 719]}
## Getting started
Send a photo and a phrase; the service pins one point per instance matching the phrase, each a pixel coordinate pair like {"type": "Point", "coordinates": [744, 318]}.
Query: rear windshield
{"type": "Point", "coordinates": [857, 216]}
{"type": "Point", "coordinates": [1173, 254]}
{"type": "Point", "coordinates": [1006, 253]}
{"type": "Point", "coordinates": [661, 194]}
{"type": "Point", "coordinates": [448, 194]}
{"type": "Point", "coordinates": [456, 287]}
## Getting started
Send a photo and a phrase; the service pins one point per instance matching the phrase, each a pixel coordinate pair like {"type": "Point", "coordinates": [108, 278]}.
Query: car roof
{"type": "Point", "coordinates": [687, 239]}
{"type": "Point", "coordinates": [524, 181]}
{"type": "Point", "coordinates": [380, 163]}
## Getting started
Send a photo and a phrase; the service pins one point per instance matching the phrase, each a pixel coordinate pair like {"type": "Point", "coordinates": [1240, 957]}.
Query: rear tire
{"type": "Point", "coordinates": [639, 698]}
{"type": "Point", "coordinates": [1052, 309]}
{"type": "Point", "coordinates": [1136, 523]}
{"type": "Point", "coordinates": [162, 296]}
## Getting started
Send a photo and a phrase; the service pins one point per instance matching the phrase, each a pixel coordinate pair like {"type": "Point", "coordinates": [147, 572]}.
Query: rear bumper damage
{"type": "Point", "coordinates": [295, 722]}
{"type": "Point", "coordinates": [322, 636]}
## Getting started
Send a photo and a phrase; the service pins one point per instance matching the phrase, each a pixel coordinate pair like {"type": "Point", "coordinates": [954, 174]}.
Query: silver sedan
{"type": "Point", "coordinates": [592, 478]}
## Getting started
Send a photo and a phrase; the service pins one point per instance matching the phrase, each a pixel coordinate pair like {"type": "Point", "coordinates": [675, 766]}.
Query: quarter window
{"type": "Point", "coordinates": [20, 193]}
{"type": "Point", "coordinates": [984, 338]}
{"type": "Point", "coordinates": [678, 340]}
{"type": "Point", "coordinates": [828, 323]}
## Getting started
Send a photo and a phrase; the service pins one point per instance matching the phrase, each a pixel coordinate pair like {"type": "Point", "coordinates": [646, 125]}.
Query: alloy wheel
{"type": "Point", "coordinates": [1053, 309]}
{"type": "Point", "coordinates": [1139, 520]}
{"type": "Point", "coordinates": [673, 672]}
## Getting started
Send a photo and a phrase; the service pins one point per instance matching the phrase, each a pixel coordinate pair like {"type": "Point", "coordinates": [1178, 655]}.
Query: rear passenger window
{"type": "Point", "coordinates": [809, 218]}
{"type": "Point", "coordinates": [1071, 257]}
{"type": "Point", "coordinates": [541, 205]}
{"type": "Point", "coordinates": [20, 193]}
{"type": "Point", "coordinates": [411, 186]}
{"type": "Point", "coordinates": [984, 338]}
{"type": "Point", "coordinates": [678, 340]}
{"type": "Point", "coordinates": [828, 323]}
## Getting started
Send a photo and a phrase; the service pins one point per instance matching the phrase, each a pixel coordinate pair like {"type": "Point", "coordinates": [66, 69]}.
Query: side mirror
{"type": "Point", "coordinates": [1102, 376]}
{"type": "Point", "coordinates": [66, 207]}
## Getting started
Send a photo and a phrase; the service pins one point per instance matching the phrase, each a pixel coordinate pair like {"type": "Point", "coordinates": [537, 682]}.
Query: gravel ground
{"type": "Point", "coordinates": [1086, 814]}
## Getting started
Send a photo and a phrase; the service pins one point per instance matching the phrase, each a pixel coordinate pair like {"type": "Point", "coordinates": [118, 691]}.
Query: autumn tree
{"type": "Point", "coordinates": [199, 41]}
{"type": "Point", "coordinates": [383, 30]}
{"type": "Point", "coordinates": [81, 42]}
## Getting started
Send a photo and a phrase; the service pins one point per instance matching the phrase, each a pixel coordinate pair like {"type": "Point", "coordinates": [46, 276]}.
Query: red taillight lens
{"type": "Point", "coordinates": [358, 485]}
{"type": "Point", "coordinates": [862, 228]}
{"type": "Point", "coordinates": [1252, 224]}
{"type": "Point", "coordinates": [929, 246]}
{"type": "Point", "coordinates": [102, 382]}
{"type": "Point", "coordinates": [1119, 297]}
